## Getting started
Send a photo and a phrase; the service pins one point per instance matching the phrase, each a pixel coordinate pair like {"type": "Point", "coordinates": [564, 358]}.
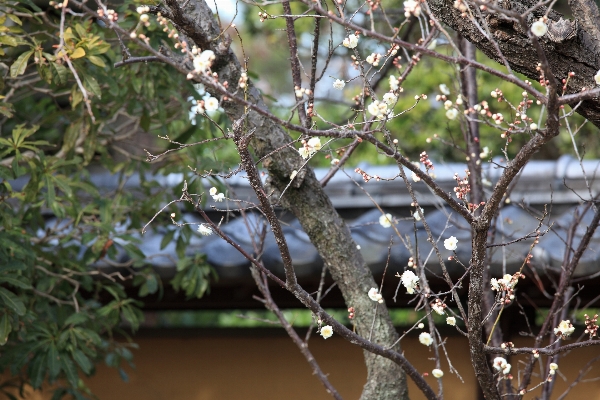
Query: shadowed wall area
{"type": "Point", "coordinates": [265, 365]}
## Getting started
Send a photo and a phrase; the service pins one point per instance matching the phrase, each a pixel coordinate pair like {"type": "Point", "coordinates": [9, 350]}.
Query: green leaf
{"type": "Point", "coordinates": [15, 282]}
{"type": "Point", "coordinates": [13, 265]}
{"type": "Point", "coordinates": [37, 371]}
{"type": "Point", "coordinates": [8, 40]}
{"type": "Point", "coordinates": [53, 361]}
{"type": "Point", "coordinates": [70, 370]}
{"type": "Point", "coordinates": [76, 319]}
{"type": "Point", "coordinates": [92, 86]}
{"type": "Point", "coordinates": [5, 329]}
{"type": "Point", "coordinates": [81, 31]}
{"type": "Point", "coordinates": [18, 67]}
{"type": "Point", "coordinates": [131, 316]}
{"type": "Point", "coordinates": [12, 301]}
{"type": "Point", "coordinates": [45, 73]}
{"type": "Point", "coordinates": [76, 96]}
{"type": "Point", "coordinates": [60, 73]}
{"type": "Point", "coordinates": [50, 192]}
{"type": "Point", "coordinates": [97, 61]}
{"type": "Point", "coordinates": [167, 238]}
{"type": "Point", "coordinates": [83, 362]}
{"type": "Point", "coordinates": [14, 19]}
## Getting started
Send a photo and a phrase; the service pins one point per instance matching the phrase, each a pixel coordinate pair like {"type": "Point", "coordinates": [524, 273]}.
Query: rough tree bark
{"type": "Point", "coordinates": [580, 54]}
{"type": "Point", "coordinates": [305, 198]}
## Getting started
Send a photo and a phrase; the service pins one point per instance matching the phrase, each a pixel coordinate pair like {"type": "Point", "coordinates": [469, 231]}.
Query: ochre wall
{"type": "Point", "coordinates": [223, 367]}
{"type": "Point", "coordinates": [268, 368]}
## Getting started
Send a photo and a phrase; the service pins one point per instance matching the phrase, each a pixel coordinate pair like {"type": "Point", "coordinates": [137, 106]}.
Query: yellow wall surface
{"type": "Point", "coordinates": [268, 368]}
{"type": "Point", "coordinates": [223, 367]}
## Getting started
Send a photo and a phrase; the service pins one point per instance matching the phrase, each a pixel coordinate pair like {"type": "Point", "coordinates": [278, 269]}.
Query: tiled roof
{"type": "Point", "coordinates": [561, 182]}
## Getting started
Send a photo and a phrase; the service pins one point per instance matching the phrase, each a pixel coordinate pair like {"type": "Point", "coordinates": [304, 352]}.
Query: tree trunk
{"type": "Point", "coordinates": [305, 198]}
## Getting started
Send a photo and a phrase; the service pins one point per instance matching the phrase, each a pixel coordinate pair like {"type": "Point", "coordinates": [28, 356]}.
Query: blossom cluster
{"type": "Point", "coordinates": [216, 196]}
{"type": "Point", "coordinates": [591, 327]}
{"type": "Point", "coordinates": [438, 306]}
{"type": "Point", "coordinates": [350, 42]}
{"type": "Point", "coordinates": [500, 364]}
{"type": "Point", "coordinates": [310, 147]}
{"type": "Point", "coordinates": [412, 7]}
{"type": "Point", "coordinates": [379, 109]}
{"type": "Point", "coordinates": [205, 230]}
{"type": "Point", "coordinates": [506, 284]}
{"type": "Point", "coordinates": [564, 329]}
{"type": "Point", "coordinates": [463, 187]}
{"type": "Point", "coordinates": [410, 281]}
{"type": "Point", "coordinates": [111, 15]}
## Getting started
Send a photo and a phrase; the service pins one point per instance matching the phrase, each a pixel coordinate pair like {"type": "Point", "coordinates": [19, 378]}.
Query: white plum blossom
{"type": "Point", "coordinates": [500, 364]}
{"type": "Point", "coordinates": [373, 59]}
{"type": "Point", "coordinates": [452, 113]}
{"type": "Point", "coordinates": [451, 243]}
{"type": "Point", "coordinates": [444, 89]}
{"type": "Point", "coordinates": [416, 214]}
{"type": "Point", "coordinates": [539, 28]}
{"type": "Point", "coordinates": [597, 78]}
{"type": "Point", "coordinates": [326, 331]}
{"type": "Point", "coordinates": [389, 98]}
{"type": "Point", "coordinates": [375, 295]}
{"type": "Point", "coordinates": [412, 7]}
{"type": "Point", "coordinates": [438, 308]}
{"type": "Point", "coordinates": [386, 220]}
{"type": "Point", "coordinates": [144, 18]}
{"type": "Point", "coordinates": [315, 143]}
{"type": "Point", "coordinates": [421, 325]}
{"type": "Point", "coordinates": [211, 104]}
{"type": "Point", "coordinates": [203, 61]}
{"type": "Point", "coordinates": [410, 281]}
{"type": "Point", "coordinates": [415, 177]}
{"type": "Point", "coordinates": [425, 338]}
{"type": "Point", "coordinates": [205, 230]}
{"type": "Point", "coordinates": [339, 84]}
{"type": "Point", "coordinates": [451, 321]}
{"type": "Point", "coordinates": [374, 108]}
{"type": "Point", "coordinates": [533, 126]}
{"type": "Point", "coordinates": [437, 373]}
{"type": "Point", "coordinates": [395, 83]}
{"type": "Point", "coordinates": [378, 109]}
{"type": "Point", "coordinates": [565, 329]}
{"type": "Point", "coordinates": [485, 153]}
{"type": "Point", "coordinates": [495, 285]}
{"type": "Point", "coordinates": [216, 196]}
{"type": "Point", "coordinates": [350, 42]}
{"type": "Point", "coordinates": [219, 197]}
{"type": "Point", "coordinates": [310, 147]}
{"type": "Point", "coordinates": [304, 153]}
{"type": "Point", "coordinates": [507, 282]}
{"type": "Point", "coordinates": [553, 368]}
